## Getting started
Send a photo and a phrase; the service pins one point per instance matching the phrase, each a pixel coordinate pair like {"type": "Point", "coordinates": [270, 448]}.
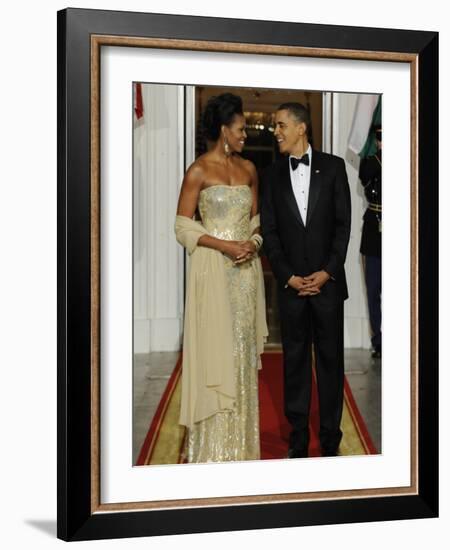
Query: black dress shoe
{"type": "Point", "coordinates": [297, 453]}
{"type": "Point", "coordinates": [376, 353]}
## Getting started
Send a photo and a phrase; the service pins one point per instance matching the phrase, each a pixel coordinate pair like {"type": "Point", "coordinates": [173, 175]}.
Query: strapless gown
{"type": "Point", "coordinates": [232, 435]}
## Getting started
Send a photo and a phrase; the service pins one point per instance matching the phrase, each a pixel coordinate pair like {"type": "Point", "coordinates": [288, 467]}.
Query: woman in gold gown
{"type": "Point", "coordinates": [224, 325]}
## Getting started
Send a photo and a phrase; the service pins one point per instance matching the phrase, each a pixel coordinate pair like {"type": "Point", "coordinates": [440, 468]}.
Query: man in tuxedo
{"type": "Point", "coordinates": [305, 223]}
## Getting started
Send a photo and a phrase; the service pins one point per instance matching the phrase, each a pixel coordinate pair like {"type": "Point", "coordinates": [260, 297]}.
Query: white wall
{"type": "Point", "coordinates": [158, 258]}
{"type": "Point", "coordinates": [28, 279]}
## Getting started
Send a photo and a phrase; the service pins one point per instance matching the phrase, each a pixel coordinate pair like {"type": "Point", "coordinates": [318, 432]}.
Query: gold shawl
{"type": "Point", "coordinates": [208, 380]}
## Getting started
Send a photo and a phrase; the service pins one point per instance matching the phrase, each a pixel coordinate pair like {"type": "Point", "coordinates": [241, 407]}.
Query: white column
{"type": "Point", "coordinates": [158, 258]}
{"type": "Point", "coordinates": [357, 328]}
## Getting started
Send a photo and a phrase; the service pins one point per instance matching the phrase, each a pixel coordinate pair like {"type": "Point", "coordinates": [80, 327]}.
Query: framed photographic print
{"type": "Point", "coordinates": [134, 93]}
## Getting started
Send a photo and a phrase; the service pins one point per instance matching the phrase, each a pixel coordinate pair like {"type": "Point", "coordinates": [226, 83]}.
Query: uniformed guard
{"type": "Point", "coordinates": [370, 176]}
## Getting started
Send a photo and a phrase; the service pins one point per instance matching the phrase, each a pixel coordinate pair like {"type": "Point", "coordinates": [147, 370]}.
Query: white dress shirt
{"type": "Point", "coordinates": [300, 180]}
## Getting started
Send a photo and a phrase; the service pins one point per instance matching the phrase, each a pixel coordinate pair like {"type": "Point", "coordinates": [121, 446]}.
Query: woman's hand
{"type": "Point", "coordinates": [239, 251]}
{"type": "Point", "coordinates": [250, 247]}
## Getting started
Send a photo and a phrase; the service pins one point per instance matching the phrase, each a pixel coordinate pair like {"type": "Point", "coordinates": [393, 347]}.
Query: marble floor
{"type": "Point", "coordinates": [152, 371]}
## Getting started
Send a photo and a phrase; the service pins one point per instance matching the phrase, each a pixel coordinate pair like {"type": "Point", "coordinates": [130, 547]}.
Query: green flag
{"type": "Point", "coordinates": [370, 146]}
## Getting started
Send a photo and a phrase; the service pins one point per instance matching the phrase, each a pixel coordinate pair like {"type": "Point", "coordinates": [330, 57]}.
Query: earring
{"type": "Point", "coordinates": [226, 147]}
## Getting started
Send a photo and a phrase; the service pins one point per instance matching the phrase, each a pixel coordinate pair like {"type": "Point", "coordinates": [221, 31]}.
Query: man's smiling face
{"type": "Point", "coordinates": [289, 131]}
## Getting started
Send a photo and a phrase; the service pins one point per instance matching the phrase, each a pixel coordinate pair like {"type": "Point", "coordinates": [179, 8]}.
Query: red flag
{"type": "Point", "coordinates": [138, 103]}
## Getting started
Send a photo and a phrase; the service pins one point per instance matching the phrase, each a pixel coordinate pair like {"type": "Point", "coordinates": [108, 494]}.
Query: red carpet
{"type": "Point", "coordinates": [274, 427]}
{"type": "Point", "coordinates": [164, 440]}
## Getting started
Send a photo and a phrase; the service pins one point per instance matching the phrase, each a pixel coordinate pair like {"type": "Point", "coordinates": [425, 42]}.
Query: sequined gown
{"type": "Point", "coordinates": [232, 435]}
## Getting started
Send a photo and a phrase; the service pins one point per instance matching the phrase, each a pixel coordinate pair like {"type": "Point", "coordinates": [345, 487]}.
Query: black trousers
{"type": "Point", "coordinates": [306, 321]}
{"type": "Point", "coordinates": [373, 285]}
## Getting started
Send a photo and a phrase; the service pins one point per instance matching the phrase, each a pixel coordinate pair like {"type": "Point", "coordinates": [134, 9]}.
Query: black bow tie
{"type": "Point", "coordinates": [295, 161]}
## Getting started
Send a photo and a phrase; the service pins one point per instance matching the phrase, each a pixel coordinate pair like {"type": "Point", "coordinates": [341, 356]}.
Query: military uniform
{"type": "Point", "coordinates": [370, 176]}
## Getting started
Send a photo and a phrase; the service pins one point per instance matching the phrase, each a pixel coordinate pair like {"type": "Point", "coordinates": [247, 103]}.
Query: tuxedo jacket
{"type": "Point", "coordinates": [296, 248]}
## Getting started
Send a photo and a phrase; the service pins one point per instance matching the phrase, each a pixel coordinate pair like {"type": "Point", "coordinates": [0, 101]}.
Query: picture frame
{"type": "Point", "coordinates": [81, 35]}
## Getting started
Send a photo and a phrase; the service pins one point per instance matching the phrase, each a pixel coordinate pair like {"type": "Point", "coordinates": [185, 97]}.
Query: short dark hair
{"type": "Point", "coordinates": [298, 111]}
{"type": "Point", "coordinates": [220, 110]}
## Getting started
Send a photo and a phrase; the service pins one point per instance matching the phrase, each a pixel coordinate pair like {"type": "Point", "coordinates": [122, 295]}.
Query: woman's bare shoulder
{"type": "Point", "coordinates": [200, 165]}
{"type": "Point", "coordinates": [197, 169]}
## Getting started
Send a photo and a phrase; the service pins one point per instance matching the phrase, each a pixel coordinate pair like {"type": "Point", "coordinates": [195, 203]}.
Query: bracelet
{"type": "Point", "coordinates": [258, 240]}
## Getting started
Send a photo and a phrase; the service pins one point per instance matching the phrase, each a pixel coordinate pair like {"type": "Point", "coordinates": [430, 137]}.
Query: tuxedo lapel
{"type": "Point", "coordinates": [315, 184]}
{"type": "Point", "coordinates": [288, 193]}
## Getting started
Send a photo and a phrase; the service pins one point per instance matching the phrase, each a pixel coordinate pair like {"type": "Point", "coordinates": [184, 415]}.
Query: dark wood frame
{"type": "Point", "coordinates": [81, 34]}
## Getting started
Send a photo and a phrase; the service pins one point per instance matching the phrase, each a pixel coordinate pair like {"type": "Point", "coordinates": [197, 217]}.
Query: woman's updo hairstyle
{"type": "Point", "coordinates": [220, 110]}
